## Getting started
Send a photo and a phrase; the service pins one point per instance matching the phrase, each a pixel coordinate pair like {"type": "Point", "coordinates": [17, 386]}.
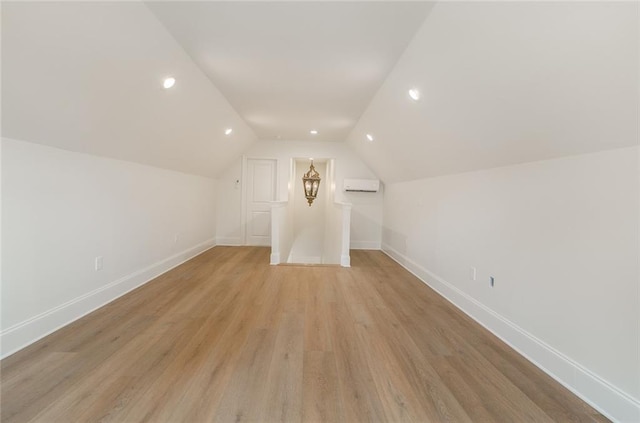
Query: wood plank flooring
{"type": "Point", "coordinates": [225, 337]}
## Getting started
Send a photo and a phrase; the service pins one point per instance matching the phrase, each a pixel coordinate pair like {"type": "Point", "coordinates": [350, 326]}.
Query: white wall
{"type": "Point", "coordinates": [367, 207]}
{"type": "Point", "coordinates": [561, 238]}
{"type": "Point", "coordinates": [309, 222]}
{"type": "Point", "coordinates": [332, 223]}
{"type": "Point", "coordinates": [62, 209]}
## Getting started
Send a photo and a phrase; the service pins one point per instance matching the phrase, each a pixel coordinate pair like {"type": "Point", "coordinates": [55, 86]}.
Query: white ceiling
{"type": "Point", "coordinates": [502, 82]}
{"type": "Point", "coordinates": [506, 83]}
{"type": "Point", "coordinates": [289, 67]}
{"type": "Point", "coordinates": [87, 77]}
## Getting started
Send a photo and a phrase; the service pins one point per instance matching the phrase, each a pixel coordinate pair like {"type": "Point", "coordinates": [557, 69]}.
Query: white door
{"type": "Point", "coordinates": [261, 190]}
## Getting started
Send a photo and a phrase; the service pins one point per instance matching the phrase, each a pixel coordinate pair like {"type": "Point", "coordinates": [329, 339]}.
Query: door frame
{"type": "Point", "coordinates": [243, 205]}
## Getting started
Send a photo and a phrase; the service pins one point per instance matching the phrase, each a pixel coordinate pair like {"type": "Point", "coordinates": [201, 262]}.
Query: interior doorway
{"type": "Point", "coordinates": [260, 191]}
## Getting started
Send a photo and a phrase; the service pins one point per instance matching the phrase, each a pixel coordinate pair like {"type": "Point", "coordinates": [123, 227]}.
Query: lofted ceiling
{"type": "Point", "coordinates": [289, 67]}
{"type": "Point", "coordinates": [505, 83]}
{"type": "Point", "coordinates": [87, 77]}
{"type": "Point", "coordinates": [501, 82]}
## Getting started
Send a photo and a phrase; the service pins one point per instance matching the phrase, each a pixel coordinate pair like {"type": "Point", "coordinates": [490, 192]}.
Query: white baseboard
{"type": "Point", "coordinates": [364, 245]}
{"type": "Point", "coordinates": [31, 330]}
{"type": "Point", "coordinates": [600, 394]}
{"type": "Point", "coordinates": [229, 241]}
{"type": "Point", "coordinates": [275, 258]}
{"type": "Point", "coordinates": [345, 260]}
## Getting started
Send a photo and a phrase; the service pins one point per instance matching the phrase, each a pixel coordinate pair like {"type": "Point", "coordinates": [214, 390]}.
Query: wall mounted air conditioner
{"type": "Point", "coordinates": [361, 185]}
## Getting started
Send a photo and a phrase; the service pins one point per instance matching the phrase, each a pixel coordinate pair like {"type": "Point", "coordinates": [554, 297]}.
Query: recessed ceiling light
{"type": "Point", "coordinates": [313, 132]}
{"type": "Point", "coordinates": [370, 137]}
{"type": "Point", "coordinates": [228, 131]}
{"type": "Point", "coordinates": [414, 94]}
{"type": "Point", "coordinates": [169, 82]}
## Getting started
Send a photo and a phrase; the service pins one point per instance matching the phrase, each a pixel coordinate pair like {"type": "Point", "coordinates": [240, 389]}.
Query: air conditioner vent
{"type": "Point", "coordinates": [361, 185]}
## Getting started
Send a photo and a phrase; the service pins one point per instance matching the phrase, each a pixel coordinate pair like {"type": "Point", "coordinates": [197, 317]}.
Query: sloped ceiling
{"type": "Point", "coordinates": [502, 82]}
{"type": "Point", "coordinates": [505, 83]}
{"type": "Point", "coordinates": [289, 67]}
{"type": "Point", "coordinates": [87, 77]}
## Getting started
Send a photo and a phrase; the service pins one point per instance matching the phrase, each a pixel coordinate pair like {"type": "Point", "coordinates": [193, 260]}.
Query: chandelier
{"type": "Point", "coordinates": [311, 182]}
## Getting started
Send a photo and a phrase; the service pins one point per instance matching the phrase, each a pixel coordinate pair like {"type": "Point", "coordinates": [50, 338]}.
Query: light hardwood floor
{"type": "Point", "coordinates": [226, 337]}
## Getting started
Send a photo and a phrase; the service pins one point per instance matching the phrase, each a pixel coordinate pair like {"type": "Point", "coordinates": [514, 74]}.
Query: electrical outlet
{"type": "Point", "coordinates": [473, 274]}
{"type": "Point", "coordinates": [98, 263]}
{"type": "Point", "coordinates": [492, 281]}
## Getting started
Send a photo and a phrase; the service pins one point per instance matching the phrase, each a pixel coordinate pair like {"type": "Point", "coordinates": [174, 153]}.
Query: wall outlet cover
{"type": "Point", "coordinates": [98, 263]}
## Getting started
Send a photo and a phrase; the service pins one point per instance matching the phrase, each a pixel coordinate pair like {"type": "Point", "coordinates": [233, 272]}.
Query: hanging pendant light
{"type": "Point", "coordinates": [311, 182]}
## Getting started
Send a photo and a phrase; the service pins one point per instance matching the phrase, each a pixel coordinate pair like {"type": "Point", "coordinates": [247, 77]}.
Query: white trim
{"type": "Point", "coordinates": [229, 241]}
{"type": "Point", "coordinates": [345, 243]}
{"type": "Point", "coordinates": [37, 327]}
{"type": "Point", "coordinates": [365, 245]}
{"type": "Point", "coordinates": [277, 208]}
{"type": "Point", "coordinates": [600, 394]}
{"type": "Point", "coordinates": [243, 203]}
